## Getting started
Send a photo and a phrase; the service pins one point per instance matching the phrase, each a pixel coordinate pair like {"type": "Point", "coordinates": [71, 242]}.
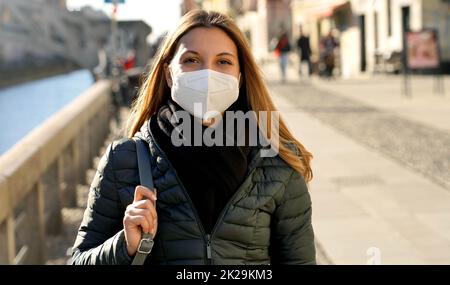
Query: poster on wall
{"type": "Point", "coordinates": [423, 50]}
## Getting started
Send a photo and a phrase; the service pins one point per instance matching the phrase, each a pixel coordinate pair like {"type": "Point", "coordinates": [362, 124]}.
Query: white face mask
{"type": "Point", "coordinates": [212, 90]}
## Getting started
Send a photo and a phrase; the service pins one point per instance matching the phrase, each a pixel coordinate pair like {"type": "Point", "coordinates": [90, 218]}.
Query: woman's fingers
{"type": "Point", "coordinates": [142, 192]}
{"type": "Point", "coordinates": [146, 209]}
{"type": "Point", "coordinates": [146, 204]}
{"type": "Point", "coordinates": [140, 216]}
{"type": "Point", "coordinates": [143, 213]}
{"type": "Point", "coordinates": [132, 221]}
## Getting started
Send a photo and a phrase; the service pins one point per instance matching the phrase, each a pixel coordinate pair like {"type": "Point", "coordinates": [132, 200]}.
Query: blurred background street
{"type": "Point", "coordinates": [363, 84]}
{"type": "Point", "coordinates": [381, 175]}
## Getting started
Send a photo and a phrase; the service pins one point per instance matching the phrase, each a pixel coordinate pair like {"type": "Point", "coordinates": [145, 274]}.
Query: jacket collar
{"type": "Point", "coordinates": [160, 160]}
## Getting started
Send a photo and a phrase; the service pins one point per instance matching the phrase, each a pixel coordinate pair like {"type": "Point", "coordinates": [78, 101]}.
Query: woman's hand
{"type": "Point", "coordinates": [141, 214]}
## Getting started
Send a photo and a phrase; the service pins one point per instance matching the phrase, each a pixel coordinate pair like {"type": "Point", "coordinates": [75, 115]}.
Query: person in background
{"type": "Point", "coordinates": [329, 44]}
{"type": "Point", "coordinates": [101, 71]}
{"type": "Point", "coordinates": [282, 50]}
{"type": "Point", "coordinates": [304, 50]}
{"type": "Point", "coordinates": [130, 60]}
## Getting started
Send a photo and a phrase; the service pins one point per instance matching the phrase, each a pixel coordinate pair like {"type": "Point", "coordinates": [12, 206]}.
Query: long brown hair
{"type": "Point", "coordinates": [155, 91]}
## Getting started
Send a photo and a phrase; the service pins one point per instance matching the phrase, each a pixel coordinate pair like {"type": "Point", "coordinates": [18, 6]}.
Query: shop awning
{"type": "Point", "coordinates": [324, 10]}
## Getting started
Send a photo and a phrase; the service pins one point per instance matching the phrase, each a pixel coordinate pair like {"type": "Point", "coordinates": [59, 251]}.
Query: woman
{"type": "Point", "coordinates": [214, 204]}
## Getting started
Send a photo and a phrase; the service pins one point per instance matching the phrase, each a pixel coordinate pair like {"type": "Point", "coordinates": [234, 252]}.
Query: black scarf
{"type": "Point", "coordinates": [211, 175]}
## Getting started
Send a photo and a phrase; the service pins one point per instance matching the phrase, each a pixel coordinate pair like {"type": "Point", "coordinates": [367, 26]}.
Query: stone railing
{"type": "Point", "coordinates": [38, 175]}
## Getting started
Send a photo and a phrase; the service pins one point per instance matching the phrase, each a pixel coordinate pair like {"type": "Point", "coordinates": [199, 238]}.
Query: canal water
{"type": "Point", "coordinates": [23, 107]}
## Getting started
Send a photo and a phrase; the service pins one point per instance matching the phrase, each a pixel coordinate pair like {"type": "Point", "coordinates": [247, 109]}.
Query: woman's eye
{"type": "Point", "coordinates": [223, 61]}
{"type": "Point", "coordinates": [190, 60]}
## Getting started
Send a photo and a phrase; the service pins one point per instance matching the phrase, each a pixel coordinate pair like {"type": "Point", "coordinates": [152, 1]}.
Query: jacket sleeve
{"type": "Point", "coordinates": [100, 238]}
{"type": "Point", "coordinates": [292, 235]}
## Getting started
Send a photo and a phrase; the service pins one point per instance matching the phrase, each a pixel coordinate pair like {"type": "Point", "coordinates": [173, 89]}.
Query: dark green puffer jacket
{"type": "Point", "coordinates": [268, 220]}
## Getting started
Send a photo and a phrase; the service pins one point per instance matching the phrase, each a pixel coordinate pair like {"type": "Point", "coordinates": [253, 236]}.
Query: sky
{"type": "Point", "coordinates": [161, 15]}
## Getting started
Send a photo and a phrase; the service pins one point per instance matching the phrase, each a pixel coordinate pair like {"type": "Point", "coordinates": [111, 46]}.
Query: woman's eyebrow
{"type": "Point", "coordinates": [190, 51]}
{"type": "Point", "coordinates": [219, 54]}
{"type": "Point", "coordinates": [226, 53]}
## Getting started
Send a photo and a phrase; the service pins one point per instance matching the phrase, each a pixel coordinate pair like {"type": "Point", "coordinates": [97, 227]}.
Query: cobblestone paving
{"type": "Point", "coordinates": [421, 148]}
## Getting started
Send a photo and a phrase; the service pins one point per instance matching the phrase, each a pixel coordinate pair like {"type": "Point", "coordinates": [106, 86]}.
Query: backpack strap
{"type": "Point", "coordinates": [145, 176]}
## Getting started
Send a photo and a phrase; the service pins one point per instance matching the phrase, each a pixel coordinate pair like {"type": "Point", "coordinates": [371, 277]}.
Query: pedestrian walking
{"type": "Point", "coordinates": [328, 46]}
{"type": "Point", "coordinates": [282, 50]}
{"type": "Point", "coordinates": [211, 204]}
{"type": "Point", "coordinates": [304, 50]}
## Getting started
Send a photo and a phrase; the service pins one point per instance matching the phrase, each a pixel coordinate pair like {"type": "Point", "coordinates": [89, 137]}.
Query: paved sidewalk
{"type": "Point", "coordinates": [424, 106]}
{"type": "Point", "coordinates": [385, 92]}
{"type": "Point", "coordinates": [367, 207]}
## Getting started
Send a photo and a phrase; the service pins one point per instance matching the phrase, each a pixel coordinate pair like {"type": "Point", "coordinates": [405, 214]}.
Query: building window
{"type": "Point", "coordinates": [389, 16]}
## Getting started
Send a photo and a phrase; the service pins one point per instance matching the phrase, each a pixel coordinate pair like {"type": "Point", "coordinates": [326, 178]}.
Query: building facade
{"type": "Point", "coordinates": [262, 21]}
{"type": "Point", "coordinates": [371, 32]}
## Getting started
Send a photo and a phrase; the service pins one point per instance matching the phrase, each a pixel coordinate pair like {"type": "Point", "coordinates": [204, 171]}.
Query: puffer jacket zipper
{"type": "Point", "coordinates": [196, 215]}
{"type": "Point", "coordinates": [208, 250]}
{"type": "Point", "coordinates": [252, 167]}
{"type": "Point", "coordinates": [207, 238]}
